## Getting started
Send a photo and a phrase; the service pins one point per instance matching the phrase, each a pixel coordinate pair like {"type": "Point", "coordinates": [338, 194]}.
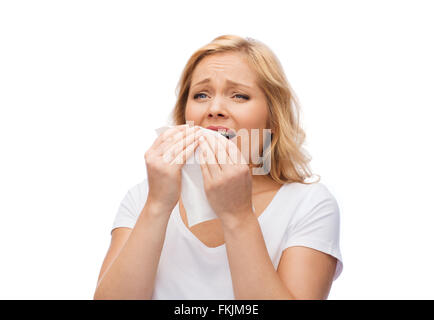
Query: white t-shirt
{"type": "Point", "coordinates": [298, 215]}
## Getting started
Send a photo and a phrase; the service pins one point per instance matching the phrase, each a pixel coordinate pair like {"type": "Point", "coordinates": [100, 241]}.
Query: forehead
{"type": "Point", "coordinates": [232, 66]}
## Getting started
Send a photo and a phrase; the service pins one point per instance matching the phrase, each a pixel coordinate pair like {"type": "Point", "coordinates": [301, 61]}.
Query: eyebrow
{"type": "Point", "coordinates": [206, 80]}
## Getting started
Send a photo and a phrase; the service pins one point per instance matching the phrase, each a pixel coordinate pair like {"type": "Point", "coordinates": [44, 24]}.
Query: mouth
{"type": "Point", "coordinates": [225, 132]}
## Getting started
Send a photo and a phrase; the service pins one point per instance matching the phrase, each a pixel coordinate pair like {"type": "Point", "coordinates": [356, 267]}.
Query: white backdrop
{"type": "Point", "coordinates": [83, 85]}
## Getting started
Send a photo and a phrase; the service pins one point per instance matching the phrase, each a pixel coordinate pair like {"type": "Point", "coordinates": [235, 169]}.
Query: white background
{"type": "Point", "coordinates": [83, 85]}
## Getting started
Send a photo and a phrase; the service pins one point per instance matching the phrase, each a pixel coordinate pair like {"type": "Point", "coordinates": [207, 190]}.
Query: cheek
{"type": "Point", "coordinates": [193, 113]}
{"type": "Point", "coordinates": [253, 117]}
{"type": "Point", "coordinates": [251, 144]}
{"type": "Point", "coordinates": [249, 120]}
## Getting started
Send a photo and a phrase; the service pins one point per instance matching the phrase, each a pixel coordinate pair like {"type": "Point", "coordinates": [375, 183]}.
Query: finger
{"type": "Point", "coordinates": [165, 137]}
{"type": "Point", "coordinates": [218, 150]}
{"type": "Point", "coordinates": [207, 150]}
{"type": "Point", "coordinates": [185, 141]}
{"type": "Point", "coordinates": [204, 165]}
{"type": "Point", "coordinates": [217, 154]}
{"type": "Point", "coordinates": [174, 140]}
{"type": "Point", "coordinates": [225, 155]}
{"type": "Point", "coordinates": [168, 134]}
{"type": "Point", "coordinates": [175, 149]}
{"type": "Point", "coordinates": [184, 153]}
{"type": "Point", "coordinates": [236, 154]}
{"type": "Point", "coordinates": [181, 143]}
{"type": "Point", "coordinates": [209, 157]}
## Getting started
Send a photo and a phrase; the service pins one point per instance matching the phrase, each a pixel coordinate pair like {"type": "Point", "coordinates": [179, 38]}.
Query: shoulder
{"type": "Point", "coordinates": [136, 196]}
{"type": "Point", "coordinates": [319, 191]}
{"type": "Point", "coordinates": [131, 205]}
{"type": "Point", "coordinates": [310, 200]}
{"type": "Point", "coordinates": [308, 192]}
{"type": "Point", "coordinates": [139, 187]}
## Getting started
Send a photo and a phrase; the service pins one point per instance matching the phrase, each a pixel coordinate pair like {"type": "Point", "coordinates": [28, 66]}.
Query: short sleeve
{"type": "Point", "coordinates": [317, 224]}
{"type": "Point", "coordinates": [131, 206]}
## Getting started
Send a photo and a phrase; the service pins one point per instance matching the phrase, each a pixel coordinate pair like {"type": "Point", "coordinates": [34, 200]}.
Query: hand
{"type": "Point", "coordinates": [227, 179]}
{"type": "Point", "coordinates": [164, 161]}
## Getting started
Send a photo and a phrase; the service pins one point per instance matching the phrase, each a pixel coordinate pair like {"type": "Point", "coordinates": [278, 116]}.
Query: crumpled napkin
{"type": "Point", "coordinates": [193, 194]}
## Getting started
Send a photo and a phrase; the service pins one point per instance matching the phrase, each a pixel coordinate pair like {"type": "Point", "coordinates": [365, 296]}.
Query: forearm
{"type": "Point", "coordinates": [132, 273]}
{"type": "Point", "coordinates": [252, 271]}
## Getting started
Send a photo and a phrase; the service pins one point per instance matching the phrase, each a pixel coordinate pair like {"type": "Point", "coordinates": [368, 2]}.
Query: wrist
{"type": "Point", "coordinates": [234, 222]}
{"type": "Point", "coordinates": [156, 210]}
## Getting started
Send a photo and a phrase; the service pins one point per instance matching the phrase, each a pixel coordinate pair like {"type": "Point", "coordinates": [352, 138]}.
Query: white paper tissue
{"type": "Point", "coordinates": [193, 194]}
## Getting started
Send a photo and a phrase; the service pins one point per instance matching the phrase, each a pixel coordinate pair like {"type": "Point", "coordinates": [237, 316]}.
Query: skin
{"type": "Point", "coordinates": [303, 273]}
{"type": "Point", "coordinates": [219, 102]}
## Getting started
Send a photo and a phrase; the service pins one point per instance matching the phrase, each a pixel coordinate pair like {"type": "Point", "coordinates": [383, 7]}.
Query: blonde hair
{"type": "Point", "coordinates": [289, 160]}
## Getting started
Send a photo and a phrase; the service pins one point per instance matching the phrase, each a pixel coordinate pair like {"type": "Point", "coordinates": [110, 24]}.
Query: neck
{"type": "Point", "coordinates": [261, 183]}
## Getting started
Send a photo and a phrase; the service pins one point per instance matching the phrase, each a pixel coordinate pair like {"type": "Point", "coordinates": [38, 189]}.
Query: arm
{"type": "Point", "coordinates": [132, 264]}
{"type": "Point", "coordinates": [131, 275]}
{"type": "Point", "coordinates": [303, 273]}
{"type": "Point", "coordinates": [252, 271]}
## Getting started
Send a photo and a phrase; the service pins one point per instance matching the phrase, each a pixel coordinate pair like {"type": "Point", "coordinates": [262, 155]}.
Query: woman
{"type": "Point", "coordinates": [287, 247]}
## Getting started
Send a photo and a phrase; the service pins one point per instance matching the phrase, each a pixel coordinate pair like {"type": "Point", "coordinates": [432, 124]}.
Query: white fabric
{"type": "Point", "coordinates": [298, 215]}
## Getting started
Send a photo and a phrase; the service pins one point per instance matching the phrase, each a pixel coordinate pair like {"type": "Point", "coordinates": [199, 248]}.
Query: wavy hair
{"type": "Point", "coordinates": [289, 160]}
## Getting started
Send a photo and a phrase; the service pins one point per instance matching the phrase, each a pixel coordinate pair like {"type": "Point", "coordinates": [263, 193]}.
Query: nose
{"type": "Point", "coordinates": [217, 110]}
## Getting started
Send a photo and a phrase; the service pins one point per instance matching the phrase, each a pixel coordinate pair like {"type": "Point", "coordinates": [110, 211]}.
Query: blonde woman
{"type": "Point", "coordinates": [276, 236]}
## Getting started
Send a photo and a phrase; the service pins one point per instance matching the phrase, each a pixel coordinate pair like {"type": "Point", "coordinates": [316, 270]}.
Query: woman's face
{"type": "Point", "coordinates": [224, 92]}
